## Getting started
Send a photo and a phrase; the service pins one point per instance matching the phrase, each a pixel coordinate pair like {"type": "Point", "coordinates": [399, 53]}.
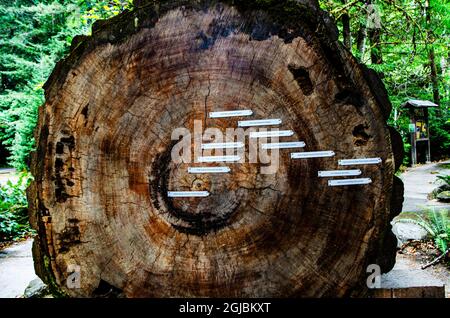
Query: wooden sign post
{"type": "Point", "coordinates": [419, 130]}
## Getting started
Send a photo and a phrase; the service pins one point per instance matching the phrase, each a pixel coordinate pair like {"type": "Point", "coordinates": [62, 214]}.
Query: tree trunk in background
{"type": "Point", "coordinates": [431, 56]}
{"type": "Point", "coordinates": [434, 77]}
{"type": "Point", "coordinates": [362, 34]}
{"type": "Point", "coordinates": [346, 32]}
{"type": "Point", "coordinates": [376, 56]}
{"type": "Point", "coordinates": [361, 41]}
{"type": "Point", "coordinates": [103, 162]}
{"type": "Point", "coordinates": [445, 68]}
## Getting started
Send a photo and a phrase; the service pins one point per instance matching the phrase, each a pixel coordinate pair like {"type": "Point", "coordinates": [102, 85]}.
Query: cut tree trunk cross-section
{"type": "Point", "coordinates": [103, 165]}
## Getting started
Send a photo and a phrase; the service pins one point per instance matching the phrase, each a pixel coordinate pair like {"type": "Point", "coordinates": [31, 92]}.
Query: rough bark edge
{"type": "Point", "coordinates": [397, 147]}
{"type": "Point", "coordinates": [37, 212]}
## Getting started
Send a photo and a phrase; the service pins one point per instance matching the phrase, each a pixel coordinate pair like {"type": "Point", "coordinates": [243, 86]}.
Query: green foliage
{"type": "Point", "coordinates": [445, 178]}
{"type": "Point", "coordinates": [13, 209]}
{"type": "Point", "coordinates": [440, 134]}
{"type": "Point", "coordinates": [437, 224]}
{"type": "Point", "coordinates": [95, 10]}
{"type": "Point", "coordinates": [34, 35]}
{"type": "Point", "coordinates": [407, 38]}
{"type": "Point", "coordinates": [32, 39]}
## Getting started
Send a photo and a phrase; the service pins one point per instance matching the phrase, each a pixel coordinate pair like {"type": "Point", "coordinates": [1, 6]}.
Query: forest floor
{"type": "Point", "coordinates": [16, 262]}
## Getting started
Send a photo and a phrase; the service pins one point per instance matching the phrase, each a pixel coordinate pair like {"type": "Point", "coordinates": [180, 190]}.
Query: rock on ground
{"type": "Point", "coordinates": [405, 231]}
{"type": "Point", "coordinates": [444, 196]}
{"type": "Point", "coordinates": [35, 289]}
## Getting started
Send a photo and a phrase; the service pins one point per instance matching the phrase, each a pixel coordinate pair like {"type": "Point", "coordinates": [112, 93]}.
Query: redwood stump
{"type": "Point", "coordinates": [103, 162]}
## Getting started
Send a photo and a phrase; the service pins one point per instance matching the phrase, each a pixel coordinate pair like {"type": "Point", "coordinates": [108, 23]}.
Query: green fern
{"type": "Point", "coordinates": [437, 224]}
{"type": "Point", "coordinates": [445, 178]}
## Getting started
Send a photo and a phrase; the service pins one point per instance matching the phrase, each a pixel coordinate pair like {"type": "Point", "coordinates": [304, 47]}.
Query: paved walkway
{"type": "Point", "coordinates": [407, 272]}
{"type": "Point", "coordinates": [419, 182]}
{"type": "Point", "coordinates": [7, 174]}
{"type": "Point", "coordinates": [16, 261]}
{"type": "Point", "coordinates": [16, 269]}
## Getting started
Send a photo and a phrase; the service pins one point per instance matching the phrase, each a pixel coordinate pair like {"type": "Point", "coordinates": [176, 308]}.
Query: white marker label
{"type": "Point", "coordinates": [209, 169]}
{"type": "Point", "coordinates": [259, 122]}
{"type": "Point", "coordinates": [360, 161]}
{"type": "Point", "coordinates": [311, 154]}
{"type": "Point", "coordinates": [272, 133]}
{"type": "Point", "coordinates": [283, 145]}
{"type": "Point", "coordinates": [223, 145]}
{"type": "Point", "coordinates": [231, 113]}
{"type": "Point", "coordinates": [339, 173]}
{"type": "Point", "coordinates": [218, 158]}
{"type": "Point", "coordinates": [344, 182]}
{"type": "Point", "coordinates": [187, 194]}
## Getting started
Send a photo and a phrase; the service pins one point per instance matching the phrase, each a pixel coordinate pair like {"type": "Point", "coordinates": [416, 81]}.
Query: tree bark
{"type": "Point", "coordinates": [346, 32]}
{"type": "Point", "coordinates": [431, 56]}
{"type": "Point", "coordinates": [376, 55]}
{"type": "Point", "coordinates": [103, 162]}
{"type": "Point", "coordinates": [361, 41]}
{"type": "Point", "coordinates": [434, 77]}
{"type": "Point", "coordinates": [374, 33]}
{"type": "Point", "coordinates": [362, 34]}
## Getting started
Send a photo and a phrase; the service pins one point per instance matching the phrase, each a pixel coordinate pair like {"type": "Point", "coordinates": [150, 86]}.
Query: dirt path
{"type": "Point", "coordinates": [16, 269]}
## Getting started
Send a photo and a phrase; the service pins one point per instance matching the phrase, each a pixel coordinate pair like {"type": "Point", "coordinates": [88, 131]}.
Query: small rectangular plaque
{"type": "Point", "coordinates": [223, 145]}
{"type": "Point", "coordinates": [187, 194]}
{"type": "Point", "coordinates": [259, 122]}
{"type": "Point", "coordinates": [344, 182]}
{"type": "Point", "coordinates": [284, 145]}
{"type": "Point", "coordinates": [271, 133]}
{"type": "Point", "coordinates": [209, 169]}
{"type": "Point", "coordinates": [359, 161]}
{"type": "Point", "coordinates": [231, 113]}
{"type": "Point", "coordinates": [339, 173]}
{"type": "Point", "coordinates": [218, 158]}
{"type": "Point", "coordinates": [311, 154]}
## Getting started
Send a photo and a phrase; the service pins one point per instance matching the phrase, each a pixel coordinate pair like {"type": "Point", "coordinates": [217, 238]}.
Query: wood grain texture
{"type": "Point", "coordinates": [102, 165]}
{"type": "Point", "coordinates": [410, 292]}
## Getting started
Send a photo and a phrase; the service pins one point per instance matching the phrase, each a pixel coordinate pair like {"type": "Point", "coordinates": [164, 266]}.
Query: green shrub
{"type": "Point", "coordinates": [445, 178]}
{"type": "Point", "coordinates": [14, 209]}
{"type": "Point", "coordinates": [437, 224]}
{"type": "Point", "coordinates": [34, 35]}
